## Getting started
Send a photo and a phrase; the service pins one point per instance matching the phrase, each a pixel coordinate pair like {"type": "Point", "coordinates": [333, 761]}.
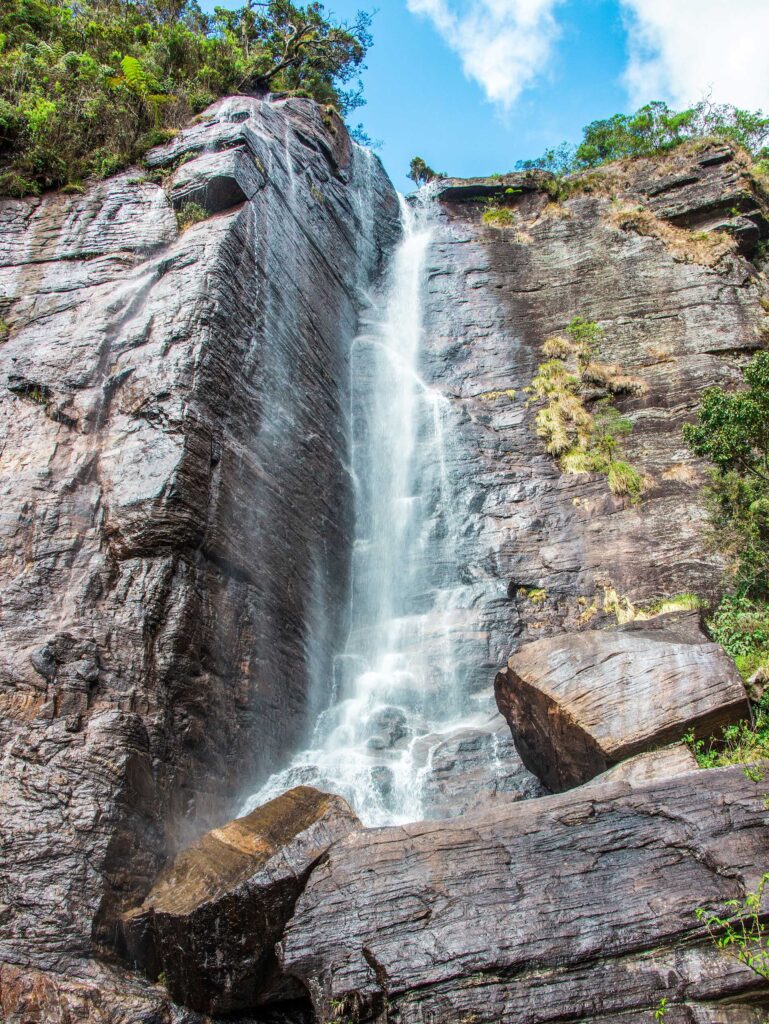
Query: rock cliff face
{"type": "Point", "coordinates": [544, 552]}
{"type": "Point", "coordinates": [176, 510]}
{"type": "Point", "coordinates": [176, 529]}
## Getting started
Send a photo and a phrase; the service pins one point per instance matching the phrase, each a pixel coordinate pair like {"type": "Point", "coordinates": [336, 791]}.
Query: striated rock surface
{"type": "Point", "coordinates": [573, 908]}
{"type": "Point", "coordinates": [652, 764]}
{"type": "Point", "coordinates": [175, 527]}
{"type": "Point", "coordinates": [174, 552]}
{"type": "Point", "coordinates": [210, 923]}
{"type": "Point", "coordinates": [541, 552]}
{"type": "Point", "coordinates": [578, 703]}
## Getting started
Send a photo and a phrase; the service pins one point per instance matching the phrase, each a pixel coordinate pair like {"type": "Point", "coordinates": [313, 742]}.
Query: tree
{"type": "Point", "coordinates": [87, 86]}
{"type": "Point", "coordinates": [732, 428]}
{"type": "Point", "coordinates": [300, 49]}
{"type": "Point", "coordinates": [421, 173]}
{"type": "Point", "coordinates": [655, 128]}
{"type": "Point", "coordinates": [732, 432]}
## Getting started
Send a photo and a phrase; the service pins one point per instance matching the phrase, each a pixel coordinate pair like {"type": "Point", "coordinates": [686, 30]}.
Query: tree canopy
{"type": "Point", "coordinates": [86, 86]}
{"type": "Point", "coordinates": [652, 129]}
{"type": "Point", "coordinates": [421, 173]}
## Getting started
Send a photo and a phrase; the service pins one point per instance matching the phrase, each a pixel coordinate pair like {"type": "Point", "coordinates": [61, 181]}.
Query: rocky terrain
{"type": "Point", "coordinates": [174, 571]}
{"type": "Point", "coordinates": [175, 530]}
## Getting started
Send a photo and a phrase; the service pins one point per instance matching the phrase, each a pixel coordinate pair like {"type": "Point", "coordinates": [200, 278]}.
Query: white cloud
{"type": "Point", "coordinates": [682, 49]}
{"type": "Point", "coordinates": [503, 44]}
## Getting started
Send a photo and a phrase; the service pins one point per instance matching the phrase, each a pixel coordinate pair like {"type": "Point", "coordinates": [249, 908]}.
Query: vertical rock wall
{"type": "Point", "coordinates": [676, 317]}
{"type": "Point", "coordinates": [176, 511]}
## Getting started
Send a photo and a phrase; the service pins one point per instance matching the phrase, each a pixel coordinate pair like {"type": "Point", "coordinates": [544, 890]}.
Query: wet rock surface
{"type": "Point", "coordinates": [541, 552]}
{"type": "Point", "coordinates": [174, 553]}
{"type": "Point", "coordinates": [210, 923]}
{"type": "Point", "coordinates": [576, 907]}
{"type": "Point", "coordinates": [578, 703]}
{"type": "Point", "coordinates": [175, 528]}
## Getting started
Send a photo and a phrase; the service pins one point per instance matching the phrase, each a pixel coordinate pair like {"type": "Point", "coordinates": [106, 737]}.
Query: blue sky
{"type": "Point", "coordinates": [474, 85]}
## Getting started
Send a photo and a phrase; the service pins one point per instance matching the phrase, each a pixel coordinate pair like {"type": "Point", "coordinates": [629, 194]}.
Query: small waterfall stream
{"type": "Point", "coordinates": [396, 691]}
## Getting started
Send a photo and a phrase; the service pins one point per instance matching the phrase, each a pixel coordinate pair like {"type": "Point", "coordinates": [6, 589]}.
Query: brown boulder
{"type": "Point", "coordinates": [651, 765]}
{"type": "Point", "coordinates": [577, 908]}
{"type": "Point", "coordinates": [209, 925]}
{"type": "Point", "coordinates": [578, 704]}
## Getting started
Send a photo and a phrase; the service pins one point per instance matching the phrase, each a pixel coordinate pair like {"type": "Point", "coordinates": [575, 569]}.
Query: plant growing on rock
{"type": "Point", "coordinates": [421, 173]}
{"type": "Point", "coordinates": [740, 931]}
{"type": "Point", "coordinates": [745, 743]}
{"type": "Point", "coordinates": [497, 215]}
{"type": "Point", "coordinates": [652, 129]}
{"type": "Point", "coordinates": [732, 432]}
{"type": "Point", "coordinates": [189, 214]}
{"type": "Point", "coordinates": [577, 418]}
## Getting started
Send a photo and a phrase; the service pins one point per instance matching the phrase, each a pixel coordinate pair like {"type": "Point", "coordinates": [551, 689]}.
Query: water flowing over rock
{"type": "Point", "coordinates": [177, 510]}
{"type": "Point", "coordinates": [275, 513]}
{"type": "Point", "coordinates": [402, 738]}
{"type": "Point", "coordinates": [577, 704]}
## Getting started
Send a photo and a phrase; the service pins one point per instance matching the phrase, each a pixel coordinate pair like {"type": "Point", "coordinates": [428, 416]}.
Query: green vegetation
{"type": "Point", "coordinates": [421, 173]}
{"type": "Point", "coordinates": [577, 417]}
{"type": "Point", "coordinates": [189, 214]}
{"type": "Point", "coordinates": [497, 215]}
{"type": "Point", "coordinates": [536, 595]}
{"type": "Point", "coordinates": [676, 603]}
{"type": "Point", "coordinates": [739, 932]}
{"type": "Point", "coordinates": [732, 432]}
{"type": "Point", "coordinates": [662, 1009]}
{"type": "Point", "coordinates": [653, 129]}
{"type": "Point", "coordinates": [745, 743]}
{"type": "Point", "coordinates": [87, 86]}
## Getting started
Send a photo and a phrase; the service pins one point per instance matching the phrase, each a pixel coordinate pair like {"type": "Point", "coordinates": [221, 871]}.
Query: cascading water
{"type": "Point", "coordinates": [396, 690]}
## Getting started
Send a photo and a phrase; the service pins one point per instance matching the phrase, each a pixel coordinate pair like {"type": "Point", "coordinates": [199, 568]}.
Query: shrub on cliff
{"type": "Point", "coordinates": [87, 86]}
{"type": "Point", "coordinates": [652, 129]}
{"type": "Point", "coordinates": [732, 432]}
{"type": "Point", "coordinates": [421, 173]}
{"type": "Point", "coordinates": [577, 418]}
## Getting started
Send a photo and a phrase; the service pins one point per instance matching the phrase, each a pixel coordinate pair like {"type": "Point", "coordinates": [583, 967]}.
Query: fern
{"type": "Point", "coordinates": [134, 76]}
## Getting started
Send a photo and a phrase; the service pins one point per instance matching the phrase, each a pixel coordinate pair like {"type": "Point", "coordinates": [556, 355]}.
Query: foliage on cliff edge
{"type": "Point", "coordinates": [655, 129]}
{"type": "Point", "coordinates": [87, 86]}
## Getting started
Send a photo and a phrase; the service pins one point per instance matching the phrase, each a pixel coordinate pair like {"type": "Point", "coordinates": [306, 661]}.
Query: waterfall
{"type": "Point", "coordinates": [396, 692]}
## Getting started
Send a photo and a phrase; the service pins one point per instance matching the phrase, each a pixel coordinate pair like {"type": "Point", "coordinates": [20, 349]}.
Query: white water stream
{"type": "Point", "coordinates": [395, 690]}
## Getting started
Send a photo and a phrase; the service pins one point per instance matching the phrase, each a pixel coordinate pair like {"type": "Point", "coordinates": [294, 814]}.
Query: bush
{"type": "Point", "coordinates": [652, 129]}
{"type": "Point", "coordinates": [624, 480]}
{"type": "Point", "coordinates": [87, 87]}
{"type": "Point", "coordinates": [731, 433]}
{"type": "Point", "coordinates": [579, 428]}
{"type": "Point", "coordinates": [189, 214]}
{"type": "Point", "coordinates": [498, 216]}
{"type": "Point", "coordinates": [745, 743]}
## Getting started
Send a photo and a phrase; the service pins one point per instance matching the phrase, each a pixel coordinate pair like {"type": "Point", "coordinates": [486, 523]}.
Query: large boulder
{"type": "Point", "coordinates": [578, 704]}
{"type": "Point", "coordinates": [577, 908]}
{"type": "Point", "coordinates": [209, 926]}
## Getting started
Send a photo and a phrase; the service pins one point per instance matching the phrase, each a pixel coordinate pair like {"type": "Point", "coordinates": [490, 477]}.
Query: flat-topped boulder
{"type": "Point", "coordinates": [209, 925]}
{"type": "Point", "coordinates": [579, 703]}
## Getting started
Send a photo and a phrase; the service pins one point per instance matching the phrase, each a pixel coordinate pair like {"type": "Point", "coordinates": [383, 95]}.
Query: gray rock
{"type": "Point", "coordinates": [573, 908]}
{"type": "Point", "coordinates": [175, 528]}
{"type": "Point", "coordinates": [577, 704]}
